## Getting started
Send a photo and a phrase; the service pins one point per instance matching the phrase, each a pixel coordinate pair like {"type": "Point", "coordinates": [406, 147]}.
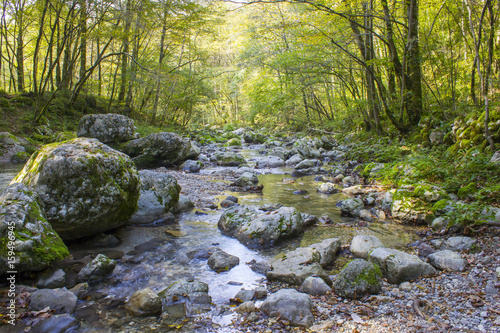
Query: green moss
{"type": "Point", "coordinates": [440, 205]}
{"type": "Point", "coordinates": [371, 276]}
{"type": "Point", "coordinates": [467, 190]}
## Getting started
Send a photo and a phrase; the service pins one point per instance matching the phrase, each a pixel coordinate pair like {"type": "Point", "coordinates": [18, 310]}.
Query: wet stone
{"type": "Point", "coordinates": [56, 324]}
{"type": "Point", "coordinates": [221, 261]}
{"type": "Point", "coordinates": [245, 295]}
{"type": "Point", "coordinates": [314, 286]}
{"type": "Point", "coordinates": [51, 279]}
{"type": "Point", "coordinates": [59, 300]}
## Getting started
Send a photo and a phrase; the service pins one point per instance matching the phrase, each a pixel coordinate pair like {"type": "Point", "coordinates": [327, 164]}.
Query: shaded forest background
{"type": "Point", "coordinates": [377, 65]}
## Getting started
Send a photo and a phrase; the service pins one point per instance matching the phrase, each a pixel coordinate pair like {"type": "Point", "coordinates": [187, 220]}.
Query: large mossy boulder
{"type": "Point", "coordinates": [107, 128]}
{"type": "Point", "coordinates": [86, 186]}
{"type": "Point", "coordinates": [159, 195]}
{"type": "Point", "coordinates": [25, 232]}
{"type": "Point", "coordinates": [160, 149]}
{"type": "Point", "coordinates": [414, 204]}
{"type": "Point", "coordinates": [258, 229]}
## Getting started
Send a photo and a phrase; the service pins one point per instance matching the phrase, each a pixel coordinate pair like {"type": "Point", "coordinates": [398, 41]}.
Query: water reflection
{"type": "Point", "coordinates": [7, 173]}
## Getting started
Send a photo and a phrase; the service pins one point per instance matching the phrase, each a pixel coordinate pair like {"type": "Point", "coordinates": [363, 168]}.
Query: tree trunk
{"type": "Point", "coordinates": [125, 50]}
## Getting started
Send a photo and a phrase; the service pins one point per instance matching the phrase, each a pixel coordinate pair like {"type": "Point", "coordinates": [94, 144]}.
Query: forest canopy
{"type": "Point", "coordinates": [377, 65]}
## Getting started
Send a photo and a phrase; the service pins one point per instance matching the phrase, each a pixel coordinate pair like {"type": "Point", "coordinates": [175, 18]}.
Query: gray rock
{"type": "Point", "coordinates": [24, 228]}
{"type": "Point", "coordinates": [306, 148]}
{"type": "Point", "coordinates": [183, 298]}
{"type": "Point", "coordinates": [327, 249]}
{"type": "Point", "coordinates": [191, 166]}
{"type": "Point", "coordinates": [294, 160]}
{"type": "Point", "coordinates": [221, 261]}
{"type": "Point", "coordinates": [246, 179]}
{"type": "Point", "coordinates": [260, 293]}
{"type": "Point", "coordinates": [245, 295]}
{"type": "Point", "coordinates": [59, 300]}
{"type": "Point", "coordinates": [144, 302]}
{"type": "Point", "coordinates": [107, 128]}
{"type": "Point", "coordinates": [424, 250]}
{"type": "Point", "coordinates": [349, 180]}
{"type": "Point", "coordinates": [305, 164]}
{"type": "Point", "coordinates": [496, 157]}
{"type": "Point", "coordinates": [354, 190]}
{"type": "Point", "coordinates": [459, 243]}
{"type": "Point", "coordinates": [63, 323]}
{"type": "Point", "coordinates": [253, 137]}
{"type": "Point", "coordinates": [97, 269]}
{"type": "Point", "coordinates": [296, 266]}
{"type": "Point", "coordinates": [260, 267]}
{"type": "Point", "coordinates": [314, 286]}
{"type": "Point", "coordinates": [257, 229]}
{"type": "Point", "coordinates": [351, 207]}
{"type": "Point", "coordinates": [327, 188]}
{"type": "Point", "coordinates": [399, 266]}
{"type": "Point", "coordinates": [86, 187]}
{"type": "Point", "coordinates": [357, 278]}
{"type": "Point", "coordinates": [270, 162]}
{"type": "Point", "coordinates": [11, 149]}
{"type": "Point", "coordinates": [447, 260]}
{"type": "Point", "coordinates": [160, 149]}
{"type": "Point", "coordinates": [279, 152]}
{"type": "Point", "coordinates": [184, 204]}
{"type": "Point", "coordinates": [290, 305]}
{"type": "Point", "coordinates": [362, 245]}
{"type": "Point", "coordinates": [436, 137]}
{"type": "Point", "coordinates": [229, 159]}
{"type": "Point", "coordinates": [51, 279]}
{"type": "Point", "coordinates": [158, 196]}
{"type": "Point", "coordinates": [228, 203]}
{"type": "Point", "coordinates": [102, 241]}
{"type": "Point", "coordinates": [439, 223]}
{"type": "Point", "coordinates": [234, 142]}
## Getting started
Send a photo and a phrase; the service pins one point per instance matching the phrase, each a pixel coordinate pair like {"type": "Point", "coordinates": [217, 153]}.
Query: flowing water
{"type": "Point", "coordinates": [7, 173]}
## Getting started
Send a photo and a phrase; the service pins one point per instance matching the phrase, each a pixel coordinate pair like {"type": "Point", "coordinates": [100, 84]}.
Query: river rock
{"type": "Point", "coordinates": [296, 266]}
{"type": "Point", "coordinates": [327, 249]}
{"type": "Point", "coordinates": [234, 142]}
{"type": "Point", "coordinates": [447, 260]}
{"type": "Point", "coordinates": [362, 245]}
{"type": "Point", "coordinates": [260, 267]}
{"type": "Point", "coordinates": [35, 245]}
{"type": "Point", "coordinates": [245, 295]}
{"type": "Point", "coordinates": [97, 269]}
{"type": "Point", "coordinates": [306, 148]}
{"type": "Point", "coordinates": [59, 300]}
{"type": "Point", "coordinates": [253, 137]}
{"type": "Point", "coordinates": [270, 162]}
{"type": "Point", "coordinates": [160, 149]}
{"type": "Point", "coordinates": [144, 302]}
{"type": "Point", "coordinates": [221, 261]}
{"type": "Point", "coordinates": [183, 298]}
{"type": "Point", "coordinates": [439, 223]}
{"type": "Point", "coordinates": [257, 229]}
{"type": "Point", "coordinates": [51, 279]}
{"type": "Point", "coordinates": [399, 266]}
{"type": "Point", "coordinates": [305, 164]}
{"type": "Point", "coordinates": [11, 150]}
{"type": "Point", "coordinates": [348, 181]}
{"type": "Point", "coordinates": [62, 323]}
{"type": "Point", "coordinates": [158, 196]}
{"type": "Point", "coordinates": [357, 278]}
{"type": "Point", "coordinates": [414, 204]}
{"type": "Point", "coordinates": [459, 243]}
{"type": "Point", "coordinates": [496, 157]}
{"type": "Point", "coordinates": [351, 207]}
{"type": "Point", "coordinates": [290, 305]}
{"type": "Point", "coordinates": [107, 128]}
{"type": "Point", "coordinates": [80, 290]}
{"type": "Point", "coordinates": [315, 286]}
{"type": "Point", "coordinates": [279, 152]}
{"type": "Point", "coordinates": [228, 159]}
{"type": "Point", "coordinates": [191, 166]}
{"type": "Point", "coordinates": [327, 188]}
{"type": "Point", "coordinates": [86, 186]}
{"type": "Point", "coordinates": [354, 190]}
{"type": "Point", "coordinates": [246, 179]}
{"type": "Point", "coordinates": [294, 160]}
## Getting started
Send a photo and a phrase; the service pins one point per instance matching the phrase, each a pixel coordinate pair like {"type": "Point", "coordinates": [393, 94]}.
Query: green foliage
{"type": "Point", "coordinates": [470, 214]}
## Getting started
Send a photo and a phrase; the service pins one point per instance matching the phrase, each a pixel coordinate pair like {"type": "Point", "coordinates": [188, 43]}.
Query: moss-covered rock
{"type": "Point", "coordinates": [11, 149]}
{"type": "Point", "coordinates": [86, 186]}
{"type": "Point", "coordinates": [357, 278]}
{"type": "Point", "coordinates": [229, 159]}
{"type": "Point", "coordinates": [26, 238]}
{"type": "Point", "coordinates": [234, 142]}
{"type": "Point", "coordinates": [160, 149]}
{"type": "Point", "coordinates": [413, 204]}
{"type": "Point", "coordinates": [159, 194]}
